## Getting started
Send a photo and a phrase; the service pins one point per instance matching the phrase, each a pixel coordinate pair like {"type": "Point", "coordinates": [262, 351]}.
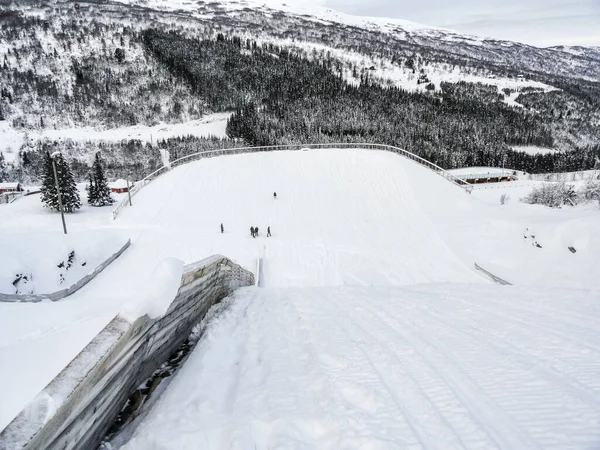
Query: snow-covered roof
{"type": "Point", "coordinates": [119, 184]}
{"type": "Point", "coordinates": [11, 185]}
{"type": "Point", "coordinates": [481, 171]}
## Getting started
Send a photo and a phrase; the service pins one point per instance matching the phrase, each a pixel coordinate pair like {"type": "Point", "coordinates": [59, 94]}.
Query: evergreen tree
{"type": "Point", "coordinates": [66, 183]}
{"type": "Point", "coordinates": [99, 194]}
{"type": "Point", "coordinates": [92, 192]}
{"type": "Point", "coordinates": [3, 169]}
{"type": "Point", "coordinates": [48, 189]}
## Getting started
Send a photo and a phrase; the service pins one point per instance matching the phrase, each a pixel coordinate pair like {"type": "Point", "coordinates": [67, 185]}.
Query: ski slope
{"type": "Point", "coordinates": [344, 222]}
{"type": "Point", "coordinates": [342, 217]}
{"type": "Point", "coordinates": [443, 366]}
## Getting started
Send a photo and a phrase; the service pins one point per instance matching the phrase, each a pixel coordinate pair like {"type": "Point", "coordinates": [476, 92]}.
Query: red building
{"type": "Point", "coordinates": [119, 186]}
{"type": "Point", "coordinates": [10, 187]}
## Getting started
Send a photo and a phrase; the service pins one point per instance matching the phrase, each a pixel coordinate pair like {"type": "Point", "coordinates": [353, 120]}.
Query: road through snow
{"type": "Point", "coordinates": [437, 366]}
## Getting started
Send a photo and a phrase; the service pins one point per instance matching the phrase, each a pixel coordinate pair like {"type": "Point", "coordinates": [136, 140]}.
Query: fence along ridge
{"type": "Point", "coordinates": [237, 150]}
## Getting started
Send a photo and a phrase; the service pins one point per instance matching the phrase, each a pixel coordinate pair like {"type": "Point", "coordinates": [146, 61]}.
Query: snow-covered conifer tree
{"type": "Point", "coordinates": [91, 191]}
{"type": "Point", "coordinates": [66, 183]}
{"type": "Point", "coordinates": [3, 169]}
{"type": "Point", "coordinates": [49, 196]}
{"type": "Point", "coordinates": [99, 194]}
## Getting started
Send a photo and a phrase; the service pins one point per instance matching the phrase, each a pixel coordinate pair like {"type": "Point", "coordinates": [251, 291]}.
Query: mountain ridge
{"type": "Point", "coordinates": [86, 64]}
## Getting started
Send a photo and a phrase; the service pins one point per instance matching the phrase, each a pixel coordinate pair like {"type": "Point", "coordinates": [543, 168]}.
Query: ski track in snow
{"type": "Point", "coordinates": [383, 368]}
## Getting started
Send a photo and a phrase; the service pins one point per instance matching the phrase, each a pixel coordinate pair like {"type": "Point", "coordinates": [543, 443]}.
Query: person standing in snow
{"type": "Point", "coordinates": [275, 195]}
{"type": "Point", "coordinates": [222, 229]}
{"type": "Point", "coordinates": [268, 231]}
{"type": "Point", "coordinates": [252, 231]}
{"type": "Point", "coordinates": [256, 231]}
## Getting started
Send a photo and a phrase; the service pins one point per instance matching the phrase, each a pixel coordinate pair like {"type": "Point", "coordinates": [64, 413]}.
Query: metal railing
{"type": "Point", "coordinates": [296, 147]}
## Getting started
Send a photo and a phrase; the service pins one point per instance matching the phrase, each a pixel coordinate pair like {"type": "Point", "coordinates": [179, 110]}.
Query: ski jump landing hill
{"type": "Point", "coordinates": [371, 328]}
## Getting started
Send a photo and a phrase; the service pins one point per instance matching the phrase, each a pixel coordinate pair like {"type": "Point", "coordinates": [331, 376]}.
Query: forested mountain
{"type": "Point", "coordinates": [285, 78]}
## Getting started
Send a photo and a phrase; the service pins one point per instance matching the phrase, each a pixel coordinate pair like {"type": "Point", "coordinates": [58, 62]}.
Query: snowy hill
{"type": "Point", "coordinates": [353, 218]}
{"type": "Point", "coordinates": [434, 38]}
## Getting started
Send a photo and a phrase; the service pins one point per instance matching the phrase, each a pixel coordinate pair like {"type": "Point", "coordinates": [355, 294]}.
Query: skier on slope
{"type": "Point", "coordinates": [222, 229]}
{"type": "Point", "coordinates": [256, 231]}
{"type": "Point", "coordinates": [275, 195]}
{"type": "Point", "coordinates": [252, 231]}
{"type": "Point", "coordinates": [268, 231]}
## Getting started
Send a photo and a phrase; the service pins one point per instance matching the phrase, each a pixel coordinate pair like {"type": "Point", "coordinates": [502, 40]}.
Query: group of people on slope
{"type": "Point", "coordinates": [253, 229]}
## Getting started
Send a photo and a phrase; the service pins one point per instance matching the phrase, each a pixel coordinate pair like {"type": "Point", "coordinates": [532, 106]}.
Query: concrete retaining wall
{"type": "Point", "coordinates": [76, 409]}
{"type": "Point", "coordinates": [34, 298]}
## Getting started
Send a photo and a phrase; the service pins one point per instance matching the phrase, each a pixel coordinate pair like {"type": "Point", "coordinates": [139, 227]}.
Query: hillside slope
{"type": "Point", "coordinates": [340, 218]}
{"type": "Point", "coordinates": [351, 218]}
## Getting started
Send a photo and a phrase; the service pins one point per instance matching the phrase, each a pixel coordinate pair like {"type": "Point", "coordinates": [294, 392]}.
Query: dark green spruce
{"type": "Point", "coordinates": [98, 190]}
{"type": "Point", "coordinates": [66, 184]}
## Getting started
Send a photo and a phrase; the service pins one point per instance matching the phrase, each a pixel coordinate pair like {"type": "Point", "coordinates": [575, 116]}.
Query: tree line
{"type": "Point", "coordinates": [280, 97]}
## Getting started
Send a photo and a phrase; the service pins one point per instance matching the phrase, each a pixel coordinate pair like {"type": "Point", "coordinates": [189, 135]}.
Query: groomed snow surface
{"type": "Point", "coordinates": [442, 366]}
{"type": "Point", "coordinates": [372, 327]}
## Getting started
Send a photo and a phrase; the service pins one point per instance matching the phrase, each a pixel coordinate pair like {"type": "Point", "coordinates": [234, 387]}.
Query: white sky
{"type": "Point", "coordinates": [536, 22]}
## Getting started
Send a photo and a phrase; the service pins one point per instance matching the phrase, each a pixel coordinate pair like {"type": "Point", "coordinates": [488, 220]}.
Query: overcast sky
{"type": "Point", "coordinates": [537, 22]}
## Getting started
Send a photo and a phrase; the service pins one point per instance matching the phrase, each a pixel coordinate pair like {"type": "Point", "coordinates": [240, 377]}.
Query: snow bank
{"type": "Point", "coordinates": [158, 293]}
{"type": "Point", "coordinates": [45, 262]}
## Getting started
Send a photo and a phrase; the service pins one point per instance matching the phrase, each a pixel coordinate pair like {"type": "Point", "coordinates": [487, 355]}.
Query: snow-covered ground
{"type": "Point", "coordinates": [447, 366]}
{"type": "Point", "coordinates": [387, 74]}
{"type": "Point", "coordinates": [346, 220]}
{"type": "Point", "coordinates": [315, 9]}
{"type": "Point", "coordinates": [210, 125]}
{"type": "Point", "coordinates": [46, 262]}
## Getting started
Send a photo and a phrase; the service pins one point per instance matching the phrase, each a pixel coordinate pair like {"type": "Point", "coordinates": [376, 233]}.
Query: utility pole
{"type": "Point", "coordinates": [60, 205]}
{"type": "Point", "coordinates": [128, 191]}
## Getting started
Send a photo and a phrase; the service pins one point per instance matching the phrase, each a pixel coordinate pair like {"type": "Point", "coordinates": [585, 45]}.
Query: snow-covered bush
{"type": "Point", "coordinates": [554, 195]}
{"type": "Point", "coordinates": [590, 192]}
{"type": "Point", "coordinates": [504, 198]}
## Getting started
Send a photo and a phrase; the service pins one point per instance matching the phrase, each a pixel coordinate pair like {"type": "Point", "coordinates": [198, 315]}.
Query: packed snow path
{"type": "Point", "coordinates": [442, 366]}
